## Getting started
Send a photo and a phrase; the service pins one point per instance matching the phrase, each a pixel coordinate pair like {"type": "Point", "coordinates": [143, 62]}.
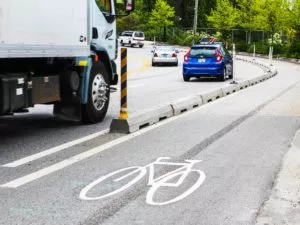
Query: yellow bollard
{"type": "Point", "coordinates": [123, 111]}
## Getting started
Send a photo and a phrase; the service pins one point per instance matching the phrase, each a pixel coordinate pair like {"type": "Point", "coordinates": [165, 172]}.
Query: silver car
{"type": "Point", "coordinates": [164, 55]}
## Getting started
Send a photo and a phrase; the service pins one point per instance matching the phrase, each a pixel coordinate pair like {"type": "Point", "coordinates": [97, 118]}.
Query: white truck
{"type": "Point", "coordinates": [59, 52]}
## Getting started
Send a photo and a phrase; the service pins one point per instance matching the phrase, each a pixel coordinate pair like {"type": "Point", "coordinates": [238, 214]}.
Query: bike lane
{"type": "Point", "coordinates": [239, 166]}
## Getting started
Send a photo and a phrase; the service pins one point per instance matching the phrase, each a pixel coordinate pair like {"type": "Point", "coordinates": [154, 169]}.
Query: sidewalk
{"type": "Point", "coordinates": [283, 207]}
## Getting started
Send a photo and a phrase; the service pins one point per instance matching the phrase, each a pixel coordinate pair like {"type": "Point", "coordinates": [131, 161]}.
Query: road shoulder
{"type": "Point", "coordinates": [283, 207]}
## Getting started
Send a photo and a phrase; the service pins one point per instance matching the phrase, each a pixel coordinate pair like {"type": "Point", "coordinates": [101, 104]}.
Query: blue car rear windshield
{"type": "Point", "coordinates": [203, 51]}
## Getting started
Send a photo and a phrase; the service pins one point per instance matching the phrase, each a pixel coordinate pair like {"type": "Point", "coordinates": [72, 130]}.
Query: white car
{"type": "Point", "coordinates": [164, 55]}
{"type": "Point", "coordinates": [132, 38]}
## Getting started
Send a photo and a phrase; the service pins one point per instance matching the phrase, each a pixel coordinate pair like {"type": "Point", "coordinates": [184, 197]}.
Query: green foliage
{"type": "Point", "coordinates": [249, 12]}
{"type": "Point", "coordinates": [218, 35]}
{"type": "Point", "coordinates": [294, 50]}
{"type": "Point", "coordinates": [225, 16]}
{"type": "Point", "coordinates": [253, 21]}
{"type": "Point", "coordinates": [162, 15]}
{"type": "Point", "coordinates": [276, 39]}
{"type": "Point", "coordinates": [130, 22]}
{"type": "Point", "coordinates": [280, 50]}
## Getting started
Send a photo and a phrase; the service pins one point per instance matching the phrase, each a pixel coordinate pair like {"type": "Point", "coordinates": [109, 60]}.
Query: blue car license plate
{"type": "Point", "coordinates": [201, 60]}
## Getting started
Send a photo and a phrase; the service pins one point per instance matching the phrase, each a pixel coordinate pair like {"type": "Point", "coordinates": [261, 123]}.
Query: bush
{"type": "Point", "coordinates": [191, 39]}
{"type": "Point", "coordinates": [260, 48]}
{"type": "Point", "coordinates": [242, 47]}
{"type": "Point", "coordinates": [294, 50]}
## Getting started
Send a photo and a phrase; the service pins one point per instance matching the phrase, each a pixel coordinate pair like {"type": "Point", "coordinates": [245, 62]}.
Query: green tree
{"type": "Point", "coordinates": [162, 16]}
{"type": "Point", "coordinates": [249, 10]}
{"type": "Point", "coordinates": [295, 15]}
{"type": "Point", "coordinates": [224, 16]}
{"type": "Point", "coordinates": [273, 16]}
{"type": "Point", "coordinates": [130, 22]}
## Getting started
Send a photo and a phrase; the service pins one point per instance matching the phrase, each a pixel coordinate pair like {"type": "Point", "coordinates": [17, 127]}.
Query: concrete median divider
{"type": "Point", "coordinates": [142, 119]}
{"type": "Point", "coordinates": [244, 84]}
{"type": "Point", "coordinates": [152, 116]}
{"type": "Point", "coordinates": [230, 89]}
{"type": "Point", "coordinates": [211, 96]}
{"type": "Point", "coordinates": [186, 104]}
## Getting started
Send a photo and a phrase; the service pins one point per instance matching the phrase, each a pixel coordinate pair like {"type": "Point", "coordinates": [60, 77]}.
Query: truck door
{"type": "Point", "coordinates": [104, 23]}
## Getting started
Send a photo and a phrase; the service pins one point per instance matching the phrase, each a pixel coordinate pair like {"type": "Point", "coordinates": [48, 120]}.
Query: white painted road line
{"type": "Point", "coordinates": [54, 150]}
{"type": "Point", "coordinates": [77, 158]}
{"type": "Point", "coordinates": [136, 86]}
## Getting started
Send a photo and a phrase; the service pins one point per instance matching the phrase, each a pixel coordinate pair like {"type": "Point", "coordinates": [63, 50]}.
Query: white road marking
{"type": "Point", "coordinates": [77, 158]}
{"type": "Point", "coordinates": [138, 85]}
{"type": "Point", "coordinates": [165, 180]}
{"type": "Point", "coordinates": [54, 150]}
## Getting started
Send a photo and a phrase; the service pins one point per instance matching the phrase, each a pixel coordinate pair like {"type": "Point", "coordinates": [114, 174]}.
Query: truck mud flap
{"type": "Point", "coordinates": [68, 111]}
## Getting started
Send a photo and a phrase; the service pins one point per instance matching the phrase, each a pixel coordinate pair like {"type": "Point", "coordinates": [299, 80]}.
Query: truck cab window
{"type": "Point", "coordinates": [104, 5]}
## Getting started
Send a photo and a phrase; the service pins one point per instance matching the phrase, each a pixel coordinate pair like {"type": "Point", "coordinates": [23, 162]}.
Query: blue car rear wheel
{"type": "Point", "coordinates": [224, 74]}
{"type": "Point", "coordinates": [186, 78]}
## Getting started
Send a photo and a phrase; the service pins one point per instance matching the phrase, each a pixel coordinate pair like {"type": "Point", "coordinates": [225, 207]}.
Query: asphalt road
{"type": "Point", "coordinates": [26, 134]}
{"type": "Point", "coordinates": [240, 141]}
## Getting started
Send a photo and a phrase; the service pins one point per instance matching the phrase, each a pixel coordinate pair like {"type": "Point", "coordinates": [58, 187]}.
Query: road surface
{"type": "Point", "coordinates": [234, 145]}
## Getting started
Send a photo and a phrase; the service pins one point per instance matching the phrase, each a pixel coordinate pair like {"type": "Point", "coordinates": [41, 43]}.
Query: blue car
{"type": "Point", "coordinates": [204, 60]}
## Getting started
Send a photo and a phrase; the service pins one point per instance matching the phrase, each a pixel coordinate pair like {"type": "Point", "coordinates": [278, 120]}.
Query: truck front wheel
{"type": "Point", "coordinates": [98, 95]}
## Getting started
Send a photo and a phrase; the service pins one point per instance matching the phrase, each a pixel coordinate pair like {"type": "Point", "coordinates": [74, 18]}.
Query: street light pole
{"type": "Point", "coordinates": [196, 16]}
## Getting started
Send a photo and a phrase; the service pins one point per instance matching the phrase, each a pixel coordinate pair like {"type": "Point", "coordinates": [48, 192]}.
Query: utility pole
{"type": "Point", "coordinates": [196, 16]}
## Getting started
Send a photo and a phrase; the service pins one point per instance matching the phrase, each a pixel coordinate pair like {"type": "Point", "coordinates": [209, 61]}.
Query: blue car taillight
{"type": "Point", "coordinates": [186, 56]}
{"type": "Point", "coordinates": [219, 56]}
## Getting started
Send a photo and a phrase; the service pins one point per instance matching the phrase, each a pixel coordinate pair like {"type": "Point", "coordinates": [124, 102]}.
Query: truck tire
{"type": "Point", "coordinates": [98, 95]}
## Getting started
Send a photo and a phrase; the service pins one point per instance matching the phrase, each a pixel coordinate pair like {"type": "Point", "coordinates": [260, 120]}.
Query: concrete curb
{"type": "Point", "coordinates": [175, 108]}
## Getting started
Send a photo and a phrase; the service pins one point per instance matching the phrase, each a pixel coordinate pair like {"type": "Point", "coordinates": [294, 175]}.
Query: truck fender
{"type": "Point", "coordinates": [104, 58]}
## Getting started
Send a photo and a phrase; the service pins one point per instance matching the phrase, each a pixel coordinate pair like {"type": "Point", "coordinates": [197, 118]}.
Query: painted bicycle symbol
{"type": "Point", "coordinates": [131, 175]}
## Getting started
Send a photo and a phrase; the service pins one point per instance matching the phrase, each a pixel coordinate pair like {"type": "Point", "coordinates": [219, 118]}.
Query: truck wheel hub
{"type": "Point", "coordinates": [99, 92]}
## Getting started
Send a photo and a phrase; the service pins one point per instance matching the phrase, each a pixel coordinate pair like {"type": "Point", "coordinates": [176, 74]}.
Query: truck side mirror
{"type": "Point", "coordinates": [124, 7]}
{"type": "Point", "coordinates": [129, 5]}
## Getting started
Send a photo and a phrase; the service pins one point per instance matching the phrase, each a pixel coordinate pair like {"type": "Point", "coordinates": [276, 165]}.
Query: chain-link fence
{"type": "Point", "coordinates": [243, 39]}
{"type": "Point", "coordinates": [230, 36]}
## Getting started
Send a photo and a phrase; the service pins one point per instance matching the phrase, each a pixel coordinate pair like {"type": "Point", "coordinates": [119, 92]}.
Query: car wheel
{"type": "Point", "coordinates": [153, 64]}
{"type": "Point", "coordinates": [231, 74]}
{"type": "Point", "coordinates": [224, 74]}
{"type": "Point", "coordinates": [98, 95]}
{"type": "Point", "coordinates": [186, 78]}
{"type": "Point", "coordinates": [141, 46]}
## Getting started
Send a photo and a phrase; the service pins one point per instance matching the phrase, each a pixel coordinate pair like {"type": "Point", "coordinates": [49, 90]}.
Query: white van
{"type": "Point", "coordinates": [132, 38]}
